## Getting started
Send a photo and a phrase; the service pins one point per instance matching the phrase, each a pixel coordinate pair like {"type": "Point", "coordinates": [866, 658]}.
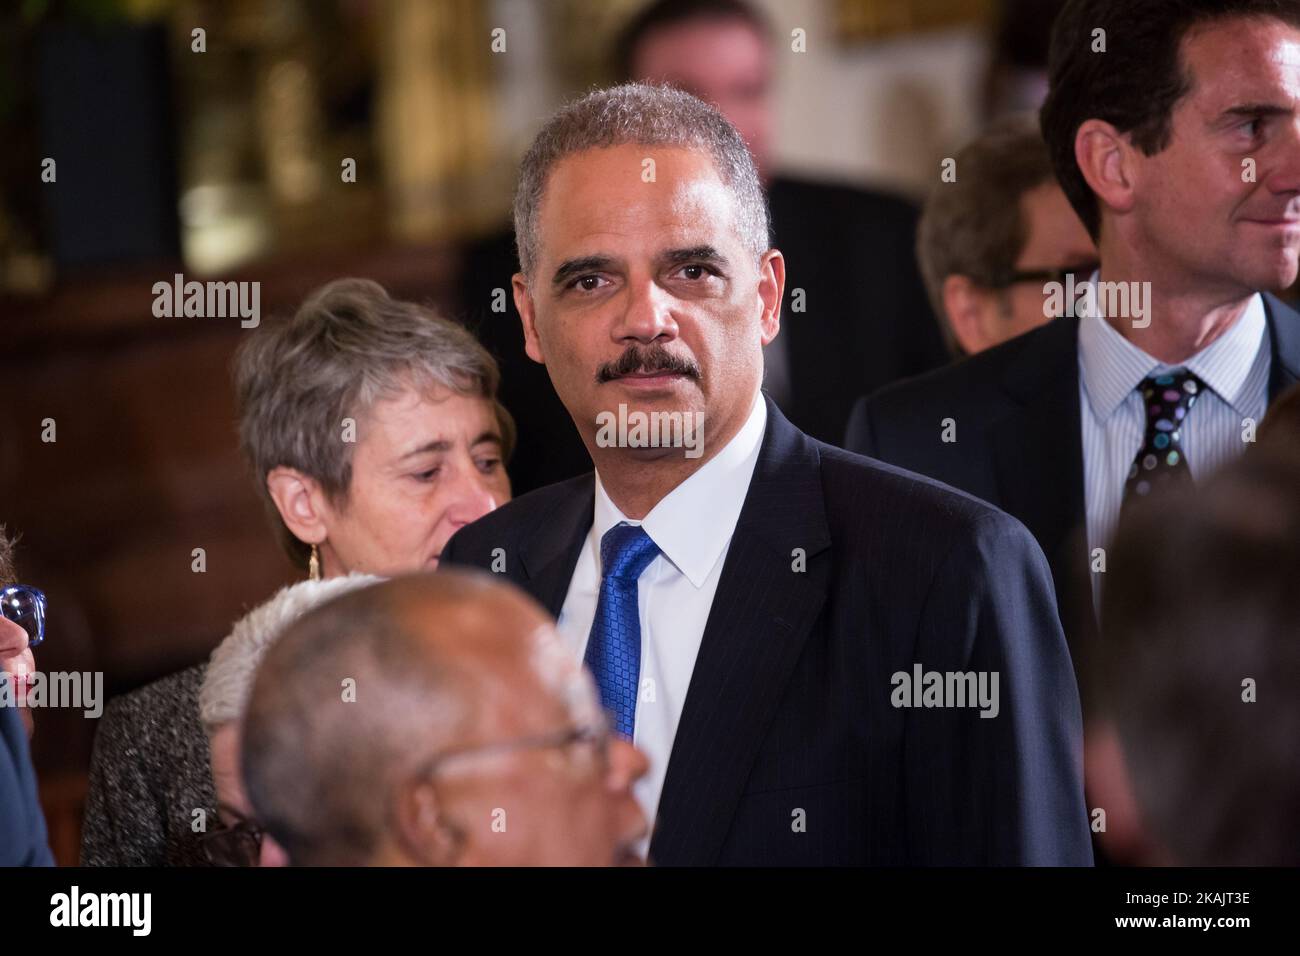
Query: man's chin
{"type": "Point", "coordinates": [628, 856]}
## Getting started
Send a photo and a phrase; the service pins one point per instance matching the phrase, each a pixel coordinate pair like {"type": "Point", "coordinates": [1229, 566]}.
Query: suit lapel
{"type": "Point", "coordinates": [760, 619]}
{"type": "Point", "coordinates": [1284, 337]}
{"type": "Point", "coordinates": [550, 551]}
{"type": "Point", "coordinates": [1038, 449]}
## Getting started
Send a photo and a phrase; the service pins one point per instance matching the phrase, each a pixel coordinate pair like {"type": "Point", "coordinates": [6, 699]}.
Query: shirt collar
{"type": "Point", "coordinates": [1112, 366]}
{"type": "Point", "coordinates": [693, 523]}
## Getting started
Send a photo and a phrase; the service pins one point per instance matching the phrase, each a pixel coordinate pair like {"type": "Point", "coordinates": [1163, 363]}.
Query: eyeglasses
{"type": "Point", "coordinates": [25, 606]}
{"type": "Point", "coordinates": [238, 845]}
{"type": "Point", "coordinates": [1081, 273]}
{"type": "Point", "coordinates": [595, 735]}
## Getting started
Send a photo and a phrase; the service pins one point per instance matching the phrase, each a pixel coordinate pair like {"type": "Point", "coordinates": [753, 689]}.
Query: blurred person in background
{"type": "Point", "coordinates": [23, 839]}
{"type": "Point", "coordinates": [857, 318]}
{"type": "Point", "coordinates": [1197, 670]}
{"type": "Point", "coordinates": [1016, 80]}
{"type": "Point", "coordinates": [373, 432]}
{"type": "Point", "coordinates": [990, 240]}
{"type": "Point", "coordinates": [238, 840]}
{"type": "Point", "coordinates": [473, 738]}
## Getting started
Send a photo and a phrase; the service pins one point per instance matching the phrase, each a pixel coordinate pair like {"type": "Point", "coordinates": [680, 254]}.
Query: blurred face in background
{"type": "Point", "coordinates": [426, 463]}
{"type": "Point", "coordinates": [1055, 240]}
{"type": "Point", "coordinates": [723, 61]}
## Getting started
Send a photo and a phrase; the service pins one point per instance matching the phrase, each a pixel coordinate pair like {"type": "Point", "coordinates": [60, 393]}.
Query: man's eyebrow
{"type": "Point", "coordinates": [700, 253]}
{"type": "Point", "coordinates": [438, 444]}
{"type": "Point", "coordinates": [573, 267]}
{"type": "Point", "coordinates": [1258, 109]}
{"type": "Point", "coordinates": [487, 436]}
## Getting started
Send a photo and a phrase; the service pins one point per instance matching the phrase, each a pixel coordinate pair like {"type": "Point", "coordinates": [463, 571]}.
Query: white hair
{"type": "Point", "coordinates": [233, 665]}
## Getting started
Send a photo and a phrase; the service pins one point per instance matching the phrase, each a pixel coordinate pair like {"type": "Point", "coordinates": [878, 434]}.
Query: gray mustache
{"type": "Point", "coordinates": [648, 360]}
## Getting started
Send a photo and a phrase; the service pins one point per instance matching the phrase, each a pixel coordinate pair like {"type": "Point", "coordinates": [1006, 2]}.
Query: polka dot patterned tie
{"type": "Point", "coordinates": [614, 647]}
{"type": "Point", "coordinates": [1160, 461]}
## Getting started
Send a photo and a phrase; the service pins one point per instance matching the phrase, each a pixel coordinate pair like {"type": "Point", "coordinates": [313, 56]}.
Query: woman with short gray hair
{"type": "Point", "coordinates": [373, 429]}
{"type": "Point", "coordinates": [374, 433]}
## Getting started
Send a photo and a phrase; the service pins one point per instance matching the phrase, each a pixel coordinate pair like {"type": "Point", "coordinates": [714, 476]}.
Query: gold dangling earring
{"type": "Point", "coordinates": [313, 564]}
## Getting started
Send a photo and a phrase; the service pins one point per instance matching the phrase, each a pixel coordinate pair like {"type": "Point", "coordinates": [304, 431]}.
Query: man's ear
{"type": "Point", "coordinates": [964, 306]}
{"type": "Point", "coordinates": [527, 315]}
{"type": "Point", "coordinates": [1106, 159]}
{"type": "Point", "coordinates": [420, 831]}
{"type": "Point", "coordinates": [771, 287]}
{"type": "Point", "coordinates": [301, 503]}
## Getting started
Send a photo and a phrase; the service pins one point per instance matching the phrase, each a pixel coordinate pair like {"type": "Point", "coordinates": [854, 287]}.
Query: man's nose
{"type": "Point", "coordinates": [1286, 175]}
{"type": "Point", "coordinates": [627, 765]}
{"type": "Point", "coordinates": [648, 315]}
{"type": "Point", "coordinates": [271, 853]}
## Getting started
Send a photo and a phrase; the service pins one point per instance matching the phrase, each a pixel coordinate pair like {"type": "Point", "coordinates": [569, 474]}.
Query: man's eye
{"type": "Point", "coordinates": [586, 283]}
{"type": "Point", "coordinates": [489, 465]}
{"type": "Point", "coordinates": [1250, 127]}
{"type": "Point", "coordinates": [426, 475]}
{"type": "Point", "coordinates": [697, 272]}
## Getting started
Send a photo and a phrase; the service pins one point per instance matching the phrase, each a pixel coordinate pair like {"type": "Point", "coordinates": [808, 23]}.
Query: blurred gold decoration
{"type": "Point", "coordinates": [23, 270]}
{"type": "Point", "coordinates": [433, 116]}
{"type": "Point", "coordinates": [859, 20]}
{"type": "Point", "coordinates": [289, 120]}
{"type": "Point", "coordinates": [287, 102]}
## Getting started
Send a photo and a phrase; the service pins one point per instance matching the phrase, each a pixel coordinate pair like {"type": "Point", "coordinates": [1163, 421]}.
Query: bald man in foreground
{"type": "Point", "coordinates": [436, 721]}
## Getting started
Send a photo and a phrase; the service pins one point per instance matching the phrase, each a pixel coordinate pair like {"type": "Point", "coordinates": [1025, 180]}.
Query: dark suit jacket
{"type": "Point", "coordinates": [22, 825]}
{"type": "Point", "coordinates": [150, 770]}
{"type": "Point", "coordinates": [867, 321]}
{"type": "Point", "coordinates": [789, 706]}
{"type": "Point", "coordinates": [1018, 443]}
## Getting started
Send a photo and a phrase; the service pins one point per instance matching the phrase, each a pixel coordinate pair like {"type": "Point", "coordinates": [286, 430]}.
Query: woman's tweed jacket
{"type": "Point", "coordinates": [149, 773]}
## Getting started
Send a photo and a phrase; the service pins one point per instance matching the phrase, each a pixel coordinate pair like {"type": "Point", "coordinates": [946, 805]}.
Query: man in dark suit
{"type": "Point", "coordinates": [857, 314]}
{"type": "Point", "coordinates": [1194, 196]}
{"type": "Point", "coordinates": [825, 659]}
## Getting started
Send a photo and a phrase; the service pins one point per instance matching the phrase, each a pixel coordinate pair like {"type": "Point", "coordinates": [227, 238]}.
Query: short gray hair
{"type": "Point", "coordinates": [348, 345]}
{"type": "Point", "coordinates": [643, 115]}
{"type": "Point", "coordinates": [228, 680]}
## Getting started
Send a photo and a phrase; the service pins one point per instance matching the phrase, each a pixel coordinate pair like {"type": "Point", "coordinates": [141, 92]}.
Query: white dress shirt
{"type": "Point", "coordinates": [692, 526]}
{"type": "Point", "coordinates": [1235, 367]}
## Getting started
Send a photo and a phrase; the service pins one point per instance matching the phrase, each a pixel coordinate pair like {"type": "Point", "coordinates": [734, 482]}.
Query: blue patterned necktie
{"type": "Point", "coordinates": [614, 647]}
{"type": "Point", "coordinates": [1160, 462]}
